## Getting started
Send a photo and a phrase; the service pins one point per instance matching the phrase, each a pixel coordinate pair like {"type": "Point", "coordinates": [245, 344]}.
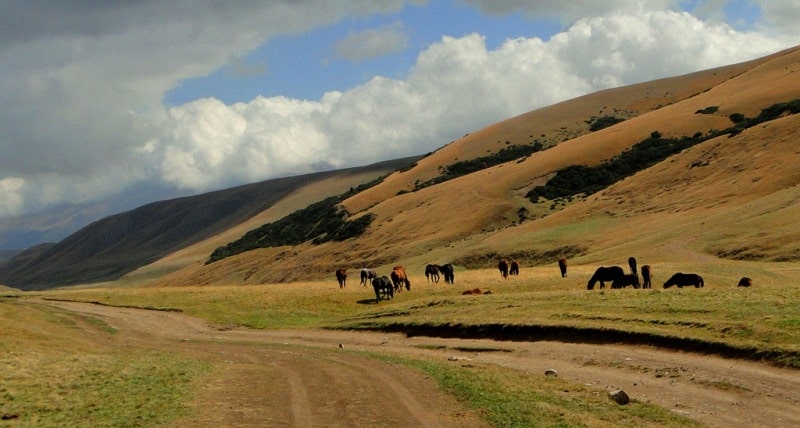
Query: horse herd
{"type": "Point", "coordinates": [386, 286]}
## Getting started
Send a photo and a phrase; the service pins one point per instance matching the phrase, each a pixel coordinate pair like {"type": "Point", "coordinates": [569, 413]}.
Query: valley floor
{"type": "Point", "coordinates": [318, 378]}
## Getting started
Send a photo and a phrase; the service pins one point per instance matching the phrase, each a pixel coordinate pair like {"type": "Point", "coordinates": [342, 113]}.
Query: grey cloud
{"type": "Point", "coordinates": [373, 43]}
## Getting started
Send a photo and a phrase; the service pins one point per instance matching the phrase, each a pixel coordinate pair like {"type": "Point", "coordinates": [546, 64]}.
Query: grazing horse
{"type": "Point", "coordinates": [447, 272]}
{"type": "Point", "coordinates": [745, 282]}
{"type": "Point", "coordinates": [626, 280]}
{"type": "Point", "coordinates": [646, 277]}
{"type": "Point", "coordinates": [341, 277]}
{"type": "Point", "coordinates": [384, 289]}
{"type": "Point", "coordinates": [604, 274]}
{"type": "Point", "coordinates": [432, 273]}
{"type": "Point", "coordinates": [399, 278]}
{"type": "Point", "coordinates": [562, 266]}
{"type": "Point", "coordinates": [502, 266]}
{"type": "Point", "coordinates": [632, 265]}
{"type": "Point", "coordinates": [684, 280]}
{"type": "Point", "coordinates": [367, 275]}
{"type": "Point", "coordinates": [513, 268]}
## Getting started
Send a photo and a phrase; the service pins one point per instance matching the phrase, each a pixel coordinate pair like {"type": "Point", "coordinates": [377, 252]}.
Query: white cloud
{"type": "Point", "coordinates": [83, 115]}
{"type": "Point", "coordinates": [456, 86]}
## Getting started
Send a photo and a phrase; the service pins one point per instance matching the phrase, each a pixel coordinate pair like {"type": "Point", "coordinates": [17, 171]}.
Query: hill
{"type": "Point", "coordinates": [114, 246]}
{"type": "Point", "coordinates": [728, 196]}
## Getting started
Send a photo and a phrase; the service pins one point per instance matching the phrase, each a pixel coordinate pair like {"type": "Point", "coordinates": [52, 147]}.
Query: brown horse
{"type": "Point", "coordinates": [399, 278]}
{"type": "Point", "coordinates": [513, 268]}
{"type": "Point", "coordinates": [646, 277]}
{"type": "Point", "coordinates": [502, 266]}
{"type": "Point", "coordinates": [341, 277]}
{"type": "Point", "coordinates": [562, 266]}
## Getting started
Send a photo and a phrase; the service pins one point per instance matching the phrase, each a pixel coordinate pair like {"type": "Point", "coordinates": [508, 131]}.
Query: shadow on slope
{"type": "Point", "coordinates": [113, 246]}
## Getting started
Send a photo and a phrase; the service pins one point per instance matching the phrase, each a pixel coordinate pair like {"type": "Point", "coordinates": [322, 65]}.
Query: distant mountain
{"type": "Point", "coordinates": [55, 224]}
{"type": "Point", "coordinates": [115, 245]}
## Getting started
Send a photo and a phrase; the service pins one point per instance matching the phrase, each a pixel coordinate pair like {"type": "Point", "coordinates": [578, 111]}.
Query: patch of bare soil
{"type": "Point", "coordinates": [305, 377]}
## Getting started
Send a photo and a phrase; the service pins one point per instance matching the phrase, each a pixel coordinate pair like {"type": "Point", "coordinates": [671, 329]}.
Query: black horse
{"type": "Point", "coordinates": [447, 272]}
{"type": "Point", "coordinates": [367, 275]}
{"type": "Point", "coordinates": [513, 268]}
{"type": "Point", "coordinates": [562, 266]}
{"type": "Point", "coordinates": [432, 273]}
{"type": "Point", "coordinates": [632, 265]}
{"type": "Point", "coordinates": [646, 275]}
{"type": "Point", "coordinates": [626, 280]}
{"type": "Point", "coordinates": [684, 280]}
{"type": "Point", "coordinates": [605, 274]}
{"type": "Point", "coordinates": [384, 288]}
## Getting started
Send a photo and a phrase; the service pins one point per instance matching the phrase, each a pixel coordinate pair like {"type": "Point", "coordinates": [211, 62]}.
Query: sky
{"type": "Point", "coordinates": [102, 98]}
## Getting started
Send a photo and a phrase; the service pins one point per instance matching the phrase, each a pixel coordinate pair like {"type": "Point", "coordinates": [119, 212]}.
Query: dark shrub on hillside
{"type": "Point", "coordinates": [319, 222]}
{"type": "Point", "coordinates": [577, 179]}
{"type": "Point", "coordinates": [708, 110]}
{"type": "Point", "coordinates": [598, 123]}
{"type": "Point", "coordinates": [462, 168]}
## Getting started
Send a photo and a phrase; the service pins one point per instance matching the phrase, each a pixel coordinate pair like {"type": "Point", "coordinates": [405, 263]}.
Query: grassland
{"type": "Point", "coordinates": [758, 323]}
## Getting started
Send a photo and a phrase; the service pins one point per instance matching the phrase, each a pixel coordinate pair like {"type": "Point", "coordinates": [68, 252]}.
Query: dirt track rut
{"type": "Point", "coordinates": [301, 378]}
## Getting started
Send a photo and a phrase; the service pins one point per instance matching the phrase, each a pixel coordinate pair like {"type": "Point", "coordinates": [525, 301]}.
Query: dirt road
{"type": "Point", "coordinates": [302, 378]}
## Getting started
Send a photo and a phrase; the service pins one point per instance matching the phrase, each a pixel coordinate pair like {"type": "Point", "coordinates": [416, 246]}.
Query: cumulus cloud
{"type": "Point", "coordinates": [373, 43]}
{"type": "Point", "coordinates": [83, 115]}
{"type": "Point", "coordinates": [456, 86]}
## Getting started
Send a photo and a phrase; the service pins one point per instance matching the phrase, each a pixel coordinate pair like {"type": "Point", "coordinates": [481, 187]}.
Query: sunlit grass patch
{"type": "Point", "coordinates": [114, 389]}
{"type": "Point", "coordinates": [513, 398]}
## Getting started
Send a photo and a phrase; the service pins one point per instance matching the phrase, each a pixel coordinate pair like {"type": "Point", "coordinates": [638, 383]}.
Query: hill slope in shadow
{"type": "Point", "coordinates": [114, 246]}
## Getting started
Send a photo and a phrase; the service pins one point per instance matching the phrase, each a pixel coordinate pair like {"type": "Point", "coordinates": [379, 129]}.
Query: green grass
{"type": "Point", "coordinates": [52, 376]}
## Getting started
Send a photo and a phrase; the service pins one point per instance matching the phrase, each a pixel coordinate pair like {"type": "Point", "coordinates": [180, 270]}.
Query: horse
{"type": "Point", "coordinates": [745, 282]}
{"type": "Point", "coordinates": [604, 274]}
{"type": "Point", "coordinates": [632, 265]}
{"type": "Point", "coordinates": [684, 280]}
{"type": "Point", "coordinates": [562, 266]}
{"type": "Point", "coordinates": [502, 266]}
{"type": "Point", "coordinates": [626, 280]}
{"type": "Point", "coordinates": [399, 278]}
{"type": "Point", "coordinates": [513, 268]}
{"type": "Point", "coordinates": [383, 288]}
{"type": "Point", "coordinates": [646, 277]}
{"type": "Point", "coordinates": [341, 277]}
{"type": "Point", "coordinates": [367, 275]}
{"type": "Point", "coordinates": [432, 273]}
{"type": "Point", "coordinates": [447, 272]}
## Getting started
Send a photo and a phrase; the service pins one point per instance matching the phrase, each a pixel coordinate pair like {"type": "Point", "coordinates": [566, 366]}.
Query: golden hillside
{"type": "Point", "coordinates": [732, 197]}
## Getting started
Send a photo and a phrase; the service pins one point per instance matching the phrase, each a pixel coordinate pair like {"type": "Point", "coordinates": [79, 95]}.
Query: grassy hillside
{"type": "Point", "coordinates": [721, 196]}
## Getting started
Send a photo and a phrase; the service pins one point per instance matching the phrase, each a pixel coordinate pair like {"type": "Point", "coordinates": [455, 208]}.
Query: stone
{"type": "Point", "coordinates": [619, 396]}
